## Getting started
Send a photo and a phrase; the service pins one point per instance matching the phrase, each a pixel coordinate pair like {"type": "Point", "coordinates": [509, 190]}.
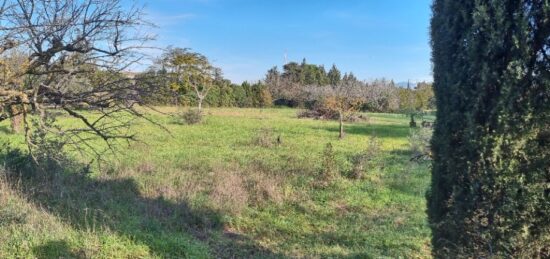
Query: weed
{"type": "Point", "coordinates": [329, 167]}
{"type": "Point", "coordinates": [419, 141]}
{"type": "Point", "coordinates": [229, 193]}
{"type": "Point", "coordinates": [365, 159]}
{"type": "Point", "coordinates": [265, 138]}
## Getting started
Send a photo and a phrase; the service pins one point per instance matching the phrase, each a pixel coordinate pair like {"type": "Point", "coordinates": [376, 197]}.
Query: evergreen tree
{"type": "Point", "coordinates": [321, 76]}
{"type": "Point", "coordinates": [334, 75]}
{"type": "Point", "coordinates": [239, 96]}
{"type": "Point", "coordinates": [490, 191]}
{"type": "Point", "coordinates": [273, 76]}
{"type": "Point", "coordinates": [349, 78]}
{"type": "Point", "coordinates": [292, 72]}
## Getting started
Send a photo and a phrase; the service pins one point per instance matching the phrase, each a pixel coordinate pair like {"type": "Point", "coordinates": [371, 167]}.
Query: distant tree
{"type": "Point", "coordinates": [292, 72]}
{"type": "Point", "coordinates": [190, 69]}
{"type": "Point", "coordinates": [239, 94]}
{"type": "Point", "coordinates": [381, 96]}
{"type": "Point", "coordinates": [265, 98]}
{"type": "Point", "coordinates": [334, 75]}
{"type": "Point", "coordinates": [424, 96]}
{"type": "Point", "coordinates": [490, 191]}
{"type": "Point", "coordinates": [321, 76]}
{"type": "Point", "coordinates": [349, 77]}
{"type": "Point", "coordinates": [273, 81]}
{"type": "Point", "coordinates": [407, 100]}
{"type": "Point", "coordinates": [345, 99]}
{"type": "Point", "coordinates": [273, 77]}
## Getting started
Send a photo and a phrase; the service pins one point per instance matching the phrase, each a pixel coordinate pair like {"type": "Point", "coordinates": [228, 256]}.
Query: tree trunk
{"type": "Point", "coordinates": [176, 102]}
{"type": "Point", "coordinates": [341, 118]}
{"type": "Point", "coordinates": [16, 119]}
{"type": "Point", "coordinates": [200, 105]}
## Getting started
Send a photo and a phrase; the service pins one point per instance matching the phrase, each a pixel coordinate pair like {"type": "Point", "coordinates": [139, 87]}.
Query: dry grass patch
{"type": "Point", "coordinates": [235, 189]}
{"type": "Point", "coordinates": [264, 188]}
{"type": "Point", "coordinates": [229, 193]}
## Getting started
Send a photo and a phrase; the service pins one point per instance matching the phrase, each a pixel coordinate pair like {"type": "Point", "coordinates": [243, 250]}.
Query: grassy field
{"type": "Point", "coordinates": [225, 188]}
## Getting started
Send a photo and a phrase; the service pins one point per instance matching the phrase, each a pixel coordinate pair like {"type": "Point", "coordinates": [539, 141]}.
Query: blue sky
{"type": "Point", "coordinates": [371, 38]}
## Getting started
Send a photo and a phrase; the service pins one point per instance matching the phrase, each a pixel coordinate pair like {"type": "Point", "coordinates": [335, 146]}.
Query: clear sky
{"type": "Point", "coordinates": [371, 38]}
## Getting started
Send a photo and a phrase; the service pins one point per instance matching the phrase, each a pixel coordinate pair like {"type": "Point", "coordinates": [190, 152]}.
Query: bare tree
{"type": "Point", "coordinates": [345, 98]}
{"type": "Point", "coordinates": [381, 95]}
{"type": "Point", "coordinates": [74, 54]}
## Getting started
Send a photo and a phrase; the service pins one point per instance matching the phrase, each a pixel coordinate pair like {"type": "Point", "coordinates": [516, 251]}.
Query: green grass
{"type": "Point", "coordinates": [213, 190]}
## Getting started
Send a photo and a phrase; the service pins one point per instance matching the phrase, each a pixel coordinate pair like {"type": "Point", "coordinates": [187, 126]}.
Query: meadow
{"type": "Point", "coordinates": [243, 183]}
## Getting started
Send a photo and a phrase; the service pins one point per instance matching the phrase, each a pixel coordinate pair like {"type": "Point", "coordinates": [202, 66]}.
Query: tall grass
{"type": "Point", "coordinates": [243, 183]}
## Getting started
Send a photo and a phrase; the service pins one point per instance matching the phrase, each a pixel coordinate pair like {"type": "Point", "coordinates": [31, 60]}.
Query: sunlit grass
{"type": "Point", "coordinates": [156, 199]}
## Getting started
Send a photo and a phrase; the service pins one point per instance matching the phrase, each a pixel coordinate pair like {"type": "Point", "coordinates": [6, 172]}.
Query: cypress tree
{"type": "Point", "coordinates": [490, 191]}
{"type": "Point", "coordinates": [334, 75]}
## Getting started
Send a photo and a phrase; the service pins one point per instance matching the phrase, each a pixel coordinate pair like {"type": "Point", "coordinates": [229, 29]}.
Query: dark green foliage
{"type": "Point", "coordinates": [412, 123]}
{"type": "Point", "coordinates": [490, 192]}
{"type": "Point", "coordinates": [287, 88]}
{"type": "Point", "coordinates": [222, 93]}
{"type": "Point", "coordinates": [334, 75]}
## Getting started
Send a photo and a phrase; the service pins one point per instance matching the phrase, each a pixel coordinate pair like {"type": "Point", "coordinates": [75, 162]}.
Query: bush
{"type": "Point", "coordinates": [264, 188]}
{"type": "Point", "coordinates": [366, 159]}
{"type": "Point", "coordinates": [192, 117]}
{"type": "Point", "coordinates": [265, 138]}
{"type": "Point", "coordinates": [412, 123]}
{"type": "Point", "coordinates": [329, 167]}
{"type": "Point", "coordinates": [419, 141]}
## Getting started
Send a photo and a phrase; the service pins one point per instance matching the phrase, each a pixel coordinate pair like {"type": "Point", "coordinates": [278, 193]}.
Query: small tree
{"type": "Point", "coordinates": [190, 69]}
{"type": "Point", "coordinates": [344, 98]}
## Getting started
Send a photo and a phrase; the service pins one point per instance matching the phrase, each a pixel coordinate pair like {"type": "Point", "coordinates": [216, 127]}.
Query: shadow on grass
{"type": "Point", "coordinates": [412, 178]}
{"type": "Point", "coordinates": [170, 229]}
{"type": "Point", "coordinates": [5, 130]}
{"type": "Point", "coordinates": [382, 131]}
{"type": "Point", "coordinates": [56, 249]}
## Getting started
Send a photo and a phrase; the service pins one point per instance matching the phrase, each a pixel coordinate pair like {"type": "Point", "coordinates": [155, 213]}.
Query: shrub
{"type": "Point", "coordinates": [192, 117]}
{"type": "Point", "coordinates": [419, 141]}
{"type": "Point", "coordinates": [365, 159]}
{"type": "Point", "coordinates": [48, 155]}
{"type": "Point", "coordinates": [412, 123]}
{"type": "Point", "coordinates": [264, 188]}
{"type": "Point", "coordinates": [329, 167]}
{"type": "Point", "coordinates": [266, 138]}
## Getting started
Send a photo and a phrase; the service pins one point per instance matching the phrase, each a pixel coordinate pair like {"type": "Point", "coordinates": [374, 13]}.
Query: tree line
{"type": "Point", "coordinates": [291, 87]}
